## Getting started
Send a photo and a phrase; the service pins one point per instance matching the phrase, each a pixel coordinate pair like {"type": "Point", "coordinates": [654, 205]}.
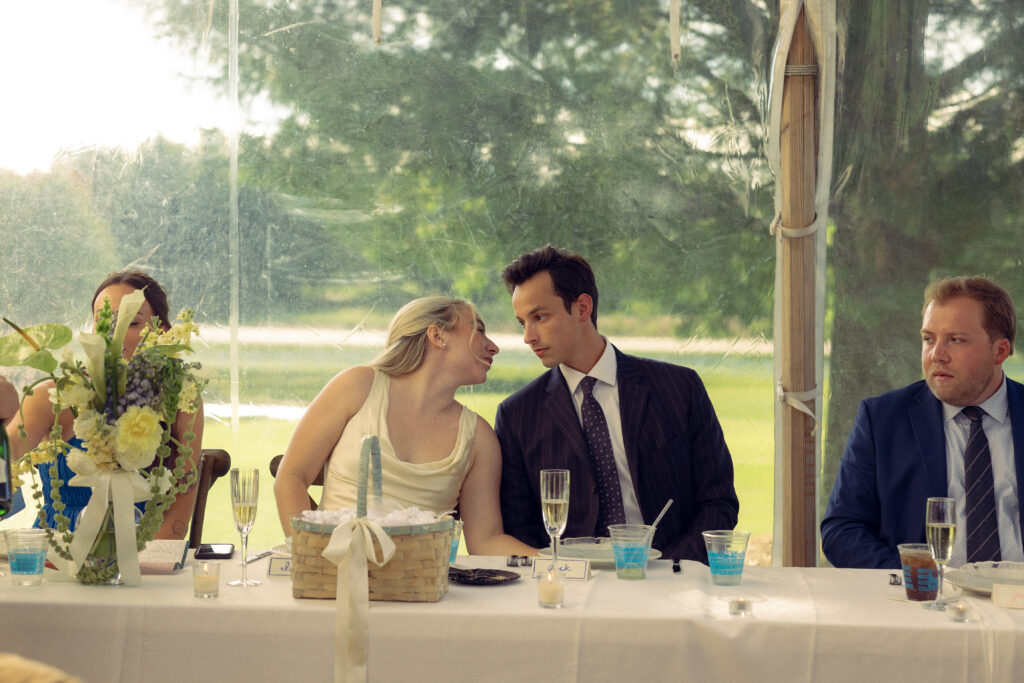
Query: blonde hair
{"type": "Point", "coordinates": [407, 334]}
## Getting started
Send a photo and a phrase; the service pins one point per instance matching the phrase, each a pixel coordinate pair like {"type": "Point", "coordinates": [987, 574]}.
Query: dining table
{"type": "Point", "coordinates": [780, 623]}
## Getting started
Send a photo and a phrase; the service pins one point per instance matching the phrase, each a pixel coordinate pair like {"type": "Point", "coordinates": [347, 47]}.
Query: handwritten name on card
{"type": "Point", "coordinates": [1006, 595]}
{"type": "Point", "coordinates": [572, 570]}
{"type": "Point", "coordinates": [280, 566]}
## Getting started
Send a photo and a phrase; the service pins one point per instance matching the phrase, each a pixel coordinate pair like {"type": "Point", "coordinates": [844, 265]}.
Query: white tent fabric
{"type": "Point", "coordinates": [821, 16]}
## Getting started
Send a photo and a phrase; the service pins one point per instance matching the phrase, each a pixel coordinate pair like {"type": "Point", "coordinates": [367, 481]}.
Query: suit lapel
{"type": "Point", "coordinates": [1015, 406]}
{"type": "Point", "coordinates": [926, 422]}
{"type": "Point", "coordinates": [560, 407]}
{"type": "Point", "coordinates": [633, 395]}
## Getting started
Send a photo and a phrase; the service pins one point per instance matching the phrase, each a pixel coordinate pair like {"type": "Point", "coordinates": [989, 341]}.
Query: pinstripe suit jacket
{"type": "Point", "coordinates": [674, 446]}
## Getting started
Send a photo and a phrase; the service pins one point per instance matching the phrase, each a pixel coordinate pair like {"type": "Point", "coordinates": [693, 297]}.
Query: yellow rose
{"type": "Point", "coordinates": [137, 436]}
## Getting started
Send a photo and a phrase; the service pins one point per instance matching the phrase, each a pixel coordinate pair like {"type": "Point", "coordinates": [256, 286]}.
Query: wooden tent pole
{"type": "Point", "coordinates": [798, 146]}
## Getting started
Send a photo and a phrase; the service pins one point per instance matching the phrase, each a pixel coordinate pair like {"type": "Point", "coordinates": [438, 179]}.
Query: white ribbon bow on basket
{"type": "Point", "coordinates": [351, 545]}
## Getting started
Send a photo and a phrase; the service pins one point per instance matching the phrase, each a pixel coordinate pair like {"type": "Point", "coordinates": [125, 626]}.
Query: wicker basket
{"type": "Point", "coordinates": [418, 571]}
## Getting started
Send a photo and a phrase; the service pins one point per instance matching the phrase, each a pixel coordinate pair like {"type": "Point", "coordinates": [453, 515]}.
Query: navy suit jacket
{"type": "Point", "coordinates": [674, 447]}
{"type": "Point", "coordinates": [895, 459]}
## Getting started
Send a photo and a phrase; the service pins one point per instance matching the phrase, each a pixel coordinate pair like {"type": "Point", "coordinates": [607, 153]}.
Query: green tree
{"type": "Point", "coordinates": [481, 129]}
{"type": "Point", "coordinates": [53, 242]}
{"type": "Point", "coordinates": [166, 207]}
{"type": "Point", "coordinates": [928, 153]}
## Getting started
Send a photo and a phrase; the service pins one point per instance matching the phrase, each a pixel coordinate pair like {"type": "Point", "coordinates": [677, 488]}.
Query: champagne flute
{"type": "Point", "coordinates": [940, 528]}
{"type": "Point", "coordinates": [554, 498]}
{"type": "Point", "coordinates": [245, 488]}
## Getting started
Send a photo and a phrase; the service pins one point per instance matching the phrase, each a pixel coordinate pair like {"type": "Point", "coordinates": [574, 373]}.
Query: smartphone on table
{"type": "Point", "coordinates": [215, 551]}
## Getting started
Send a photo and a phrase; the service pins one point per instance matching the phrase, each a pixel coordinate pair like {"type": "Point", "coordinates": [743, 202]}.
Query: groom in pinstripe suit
{"type": "Point", "coordinates": [662, 429]}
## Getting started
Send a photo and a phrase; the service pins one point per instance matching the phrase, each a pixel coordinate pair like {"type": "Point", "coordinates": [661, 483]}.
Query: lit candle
{"type": "Point", "coordinates": [206, 579]}
{"type": "Point", "coordinates": [549, 590]}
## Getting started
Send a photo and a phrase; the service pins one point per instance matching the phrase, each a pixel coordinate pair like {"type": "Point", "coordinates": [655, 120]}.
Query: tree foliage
{"type": "Point", "coordinates": [930, 162]}
{"type": "Point", "coordinates": [478, 130]}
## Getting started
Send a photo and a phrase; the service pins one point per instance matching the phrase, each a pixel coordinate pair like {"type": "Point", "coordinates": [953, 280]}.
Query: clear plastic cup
{"type": "Point", "coordinates": [727, 551]}
{"type": "Point", "coordinates": [26, 553]}
{"type": "Point", "coordinates": [631, 544]}
{"type": "Point", "coordinates": [920, 574]}
{"type": "Point", "coordinates": [456, 537]}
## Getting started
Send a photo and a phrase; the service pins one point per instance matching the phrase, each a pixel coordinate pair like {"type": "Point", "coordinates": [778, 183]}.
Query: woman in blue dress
{"type": "Point", "coordinates": [38, 411]}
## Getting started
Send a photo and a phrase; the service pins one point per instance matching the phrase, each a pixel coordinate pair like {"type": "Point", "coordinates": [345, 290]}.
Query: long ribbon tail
{"type": "Point", "coordinates": [124, 531]}
{"type": "Point", "coordinates": [350, 546]}
{"type": "Point", "coordinates": [89, 525]}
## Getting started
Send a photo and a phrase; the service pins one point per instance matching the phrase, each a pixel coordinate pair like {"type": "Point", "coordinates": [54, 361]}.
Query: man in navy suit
{"type": "Point", "coordinates": [661, 428]}
{"type": "Point", "coordinates": [909, 444]}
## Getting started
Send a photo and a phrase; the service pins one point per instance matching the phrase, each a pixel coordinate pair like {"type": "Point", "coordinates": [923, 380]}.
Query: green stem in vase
{"type": "Point", "coordinates": [100, 565]}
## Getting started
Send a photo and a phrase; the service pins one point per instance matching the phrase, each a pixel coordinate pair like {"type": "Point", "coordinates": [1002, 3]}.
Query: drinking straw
{"type": "Point", "coordinates": [650, 534]}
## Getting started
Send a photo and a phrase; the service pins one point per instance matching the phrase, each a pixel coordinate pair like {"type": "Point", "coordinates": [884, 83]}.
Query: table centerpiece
{"type": "Point", "coordinates": [124, 409]}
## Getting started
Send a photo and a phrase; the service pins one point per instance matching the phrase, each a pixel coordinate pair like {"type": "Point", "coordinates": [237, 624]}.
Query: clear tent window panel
{"type": "Point", "coordinates": [372, 173]}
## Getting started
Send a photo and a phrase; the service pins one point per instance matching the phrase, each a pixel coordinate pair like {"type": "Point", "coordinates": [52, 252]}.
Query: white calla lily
{"type": "Point", "coordinates": [126, 311]}
{"type": "Point", "coordinates": [95, 346]}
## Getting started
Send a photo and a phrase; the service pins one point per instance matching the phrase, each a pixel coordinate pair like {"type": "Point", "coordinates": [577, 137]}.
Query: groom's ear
{"type": "Point", "coordinates": [584, 307]}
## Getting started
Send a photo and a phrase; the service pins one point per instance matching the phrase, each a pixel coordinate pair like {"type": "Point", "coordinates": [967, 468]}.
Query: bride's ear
{"type": "Point", "coordinates": [435, 337]}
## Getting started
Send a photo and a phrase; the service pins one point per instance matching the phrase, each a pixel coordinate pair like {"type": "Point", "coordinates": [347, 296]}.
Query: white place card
{"type": "Point", "coordinates": [572, 570]}
{"type": "Point", "coordinates": [279, 566]}
{"type": "Point", "coordinates": [1006, 595]}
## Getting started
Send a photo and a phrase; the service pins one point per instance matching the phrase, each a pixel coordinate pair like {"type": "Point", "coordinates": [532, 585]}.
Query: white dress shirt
{"type": "Point", "coordinates": [996, 423]}
{"type": "Point", "coordinates": [606, 393]}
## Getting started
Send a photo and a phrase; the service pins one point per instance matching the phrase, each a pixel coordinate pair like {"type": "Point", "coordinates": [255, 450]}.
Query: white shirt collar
{"type": "Point", "coordinates": [604, 369]}
{"type": "Point", "coordinates": [996, 405]}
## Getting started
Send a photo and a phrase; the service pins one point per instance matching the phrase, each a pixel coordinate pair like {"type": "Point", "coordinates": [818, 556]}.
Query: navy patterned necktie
{"type": "Point", "coordinates": [602, 460]}
{"type": "Point", "coordinates": [982, 525]}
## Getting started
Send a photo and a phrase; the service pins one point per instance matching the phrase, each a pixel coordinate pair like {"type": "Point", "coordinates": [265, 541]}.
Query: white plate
{"type": "Point", "coordinates": [979, 577]}
{"type": "Point", "coordinates": [597, 550]}
{"type": "Point", "coordinates": [283, 549]}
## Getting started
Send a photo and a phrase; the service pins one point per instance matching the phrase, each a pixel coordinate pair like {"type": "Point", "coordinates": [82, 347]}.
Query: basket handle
{"type": "Point", "coordinates": [369, 461]}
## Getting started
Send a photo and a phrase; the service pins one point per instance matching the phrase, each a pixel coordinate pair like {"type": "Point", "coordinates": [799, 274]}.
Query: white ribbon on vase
{"type": "Point", "coordinates": [351, 545]}
{"type": "Point", "coordinates": [123, 488]}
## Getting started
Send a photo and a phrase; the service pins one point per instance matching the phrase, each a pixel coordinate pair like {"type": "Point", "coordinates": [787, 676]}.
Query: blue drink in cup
{"type": "Point", "coordinates": [631, 545]}
{"type": "Point", "coordinates": [727, 551]}
{"type": "Point", "coordinates": [26, 552]}
{"type": "Point", "coordinates": [456, 537]}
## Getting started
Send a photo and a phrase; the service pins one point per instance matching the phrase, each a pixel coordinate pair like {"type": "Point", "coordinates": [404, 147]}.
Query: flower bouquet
{"type": "Point", "coordinates": [124, 410]}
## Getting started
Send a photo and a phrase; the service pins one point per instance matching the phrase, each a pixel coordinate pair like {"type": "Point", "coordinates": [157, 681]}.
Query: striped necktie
{"type": "Point", "coordinates": [982, 524]}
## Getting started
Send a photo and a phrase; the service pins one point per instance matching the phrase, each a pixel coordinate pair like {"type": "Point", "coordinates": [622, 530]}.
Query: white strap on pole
{"type": "Point", "coordinates": [780, 230]}
{"type": "Point", "coordinates": [798, 399]}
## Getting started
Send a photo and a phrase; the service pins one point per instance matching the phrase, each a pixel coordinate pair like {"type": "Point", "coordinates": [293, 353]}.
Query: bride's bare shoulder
{"type": "Point", "coordinates": [349, 383]}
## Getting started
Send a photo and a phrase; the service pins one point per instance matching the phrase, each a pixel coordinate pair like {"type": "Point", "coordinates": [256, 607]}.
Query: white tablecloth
{"type": "Point", "coordinates": [807, 625]}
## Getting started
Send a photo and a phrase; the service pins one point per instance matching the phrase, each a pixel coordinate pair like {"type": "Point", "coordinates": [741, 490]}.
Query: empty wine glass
{"type": "Point", "coordinates": [554, 498]}
{"type": "Point", "coordinates": [245, 488]}
{"type": "Point", "coordinates": [940, 529]}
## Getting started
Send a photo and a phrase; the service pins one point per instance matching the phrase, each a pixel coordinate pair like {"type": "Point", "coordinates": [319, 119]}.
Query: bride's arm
{"type": "Point", "coordinates": [315, 437]}
{"type": "Point", "coordinates": [479, 504]}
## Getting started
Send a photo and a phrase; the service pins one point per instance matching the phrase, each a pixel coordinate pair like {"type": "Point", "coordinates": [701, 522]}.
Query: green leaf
{"type": "Point", "coordinates": [15, 349]}
{"type": "Point", "coordinates": [171, 349]}
{"type": "Point", "coordinates": [41, 360]}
